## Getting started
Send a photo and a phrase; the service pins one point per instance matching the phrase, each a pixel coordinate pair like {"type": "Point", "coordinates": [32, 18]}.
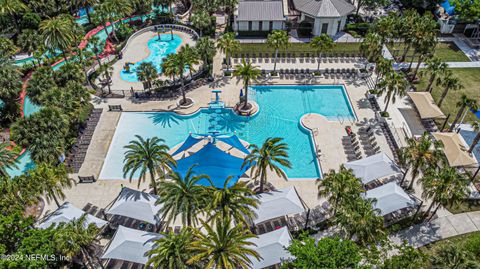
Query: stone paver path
{"type": "Point", "coordinates": [438, 229]}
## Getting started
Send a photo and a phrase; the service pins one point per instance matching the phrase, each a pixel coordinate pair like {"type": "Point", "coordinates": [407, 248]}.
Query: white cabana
{"type": "Point", "coordinates": [137, 205]}
{"type": "Point", "coordinates": [67, 213]}
{"type": "Point", "coordinates": [130, 245]}
{"type": "Point", "coordinates": [390, 198]}
{"type": "Point", "coordinates": [276, 204]}
{"type": "Point", "coordinates": [373, 167]}
{"type": "Point", "coordinates": [271, 248]}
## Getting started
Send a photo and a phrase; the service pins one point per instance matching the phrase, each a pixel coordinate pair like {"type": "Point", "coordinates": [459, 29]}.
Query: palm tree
{"type": "Point", "coordinates": [7, 48]}
{"type": "Point", "coordinates": [182, 196]}
{"type": "Point", "coordinates": [371, 47]}
{"type": "Point", "coordinates": [462, 104]}
{"type": "Point", "coordinates": [321, 43]}
{"type": "Point", "coordinates": [272, 155]}
{"type": "Point", "coordinates": [191, 58]}
{"type": "Point", "coordinates": [340, 188]}
{"type": "Point", "coordinates": [206, 49]}
{"type": "Point", "coordinates": [12, 8]}
{"type": "Point", "coordinates": [277, 39]}
{"type": "Point", "coordinates": [247, 72]}
{"type": "Point", "coordinates": [57, 34]}
{"type": "Point", "coordinates": [408, 20]}
{"type": "Point", "coordinates": [421, 154]}
{"type": "Point", "coordinates": [53, 180]}
{"type": "Point", "coordinates": [169, 67]}
{"type": "Point", "coordinates": [476, 128]}
{"type": "Point", "coordinates": [444, 186]}
{"type": "Point", "coordinates": [29, 40]}
{"type": "Point", "coordinates": [392, 84]}
{"type": "Point", "coordinates": [383, 67]}
{"type": "Point", "coordinates": [146, 73]}
{"type": "Point", "coordinates": [7, 159]}
{"type": "Point", "coordinates": [172, 251]}
{"type": "Point", "coordinates": [360, 219]}
{"type": "Point", "coordinates": [435, 68]}
{"type": "Point", "coordinates": [75, 238]}
{"type": "Point", "coordinates": [147, 156]}
{"type": "Point", "coordinates": [228, 45]}
{"type": "Point", "coordinates": [87, 4]}
{"type": "Point", "coordinates": [106, 70]}
{"type": "Point", "coordinates": [223, 246]}
{"type": "Point", "coordinates": [449, 82]}
{"type": "Point", "coordinates": [180, 61]}
{"type": "Point", "coordinates": [236, 201]}
{"type": "Point", "coordinates": [201, 20]}
{"type": "Point", "coordinates": [452, 257]}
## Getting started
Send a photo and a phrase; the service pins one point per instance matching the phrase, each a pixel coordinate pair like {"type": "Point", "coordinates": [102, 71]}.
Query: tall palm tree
{"type": "Point", "coordinates": [223, 246]}
{"type": "Point", "coordinates": [435, 68]}
{"type": "Point", "coordinates": [444, 186]}
{"type": "Point", "coordinates": [172, 251]}
{"type": "Point", "coordinates": [236, 202]}
{"type": "Point", "coordinates": [383, 67]}
{"type": "Point", "coordinates": [409, 18]}
{"type": "Point", "coordinates": [449, 82]}
{"type": "Point", "coordinates": [7, 159]}
{"type": "Point", "coordinates": [247, 72]}
{"type": "Point", "coordinates": [476, 128]}
{"type": "Point", "coordinates": [271, 156]}
{"type": "Point", "coordinates": [87, 4]}
{"type": "Point", "coordinates": [146, 73]}
{"type": "Point", "coordinates": [277, 39]}
{"type": "Point", "coordinates": [191, 58]}
{"type": "Point", "coordinates": [57, 34]}
{"type": "Point", "coordinates": [180, 61]}
{"type": "Point", "coordinates": [340, 188]}
{"type": "Point", "coordinates": [169, 67]}
{"type": "Point", "coordinates": [206, 49]}
{"type": "Point", "coordinates": [360, 219]}
{"type": "Point", "coordinates": [75, 238]}
{"type": "Point", "coordinates": [228, 45]}
{"type": "Point", "coordinates": [147, 156]}
{"type": "Point", "coordinates": [421, 154]}
{"type": "Point", "coordinates": [462, 104]}
{"type": "Point", "coordinates": [371, 47]}
{"type": "Point", "coordinates": [182, 196]}
{"type": "Point", "coordinates": [320, 44]}
{"type": "Point", "coordinates": [53, 179]}
{"type": "Point", "coordinates": [201, 20]}
{"type": "Point", "coordinates": [107, 71]}
{"type": "Point", "coordinates": [392, 84]}
{"type": "Point", "coordinates": [12, 9]}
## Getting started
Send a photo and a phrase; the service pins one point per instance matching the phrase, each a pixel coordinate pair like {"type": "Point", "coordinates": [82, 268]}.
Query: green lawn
{"type": "Point", "coordinates": [470, 78]}
{"type": "Point", "coordinates": [447, 51]}
{"type": "Point", "coordinates": [349, 48]}
{"type": "Point", "coordinates": [467, 242]}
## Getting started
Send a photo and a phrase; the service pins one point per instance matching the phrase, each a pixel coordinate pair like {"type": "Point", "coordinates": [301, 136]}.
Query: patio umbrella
{"type": "Point", "coordinates": [241, 92]}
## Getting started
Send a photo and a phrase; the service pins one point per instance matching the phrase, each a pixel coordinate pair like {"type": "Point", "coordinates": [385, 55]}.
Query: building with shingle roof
{"type": "Point", "coordinates": [259, 16]}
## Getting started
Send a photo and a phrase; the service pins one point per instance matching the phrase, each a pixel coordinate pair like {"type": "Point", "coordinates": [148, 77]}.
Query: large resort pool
{"type": "Point", "coordinates": [281, 108]}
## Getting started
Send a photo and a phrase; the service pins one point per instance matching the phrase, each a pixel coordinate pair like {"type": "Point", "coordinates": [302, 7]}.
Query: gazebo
{"type": "Point", "coordinates": [373, 167]}
{"type": "Point", "coordinates": [272, 248]}
{"type": "Point", "coordinates": [67, 213]}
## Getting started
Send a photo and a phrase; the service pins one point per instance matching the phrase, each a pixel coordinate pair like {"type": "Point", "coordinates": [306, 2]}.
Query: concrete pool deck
{"type": "Point", "coordinates": [327, 137]}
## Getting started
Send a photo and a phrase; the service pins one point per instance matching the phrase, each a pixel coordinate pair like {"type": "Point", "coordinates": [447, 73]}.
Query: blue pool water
{"type": "Point", "coordinates": [469, 136]}
{"type": "Point", "coordinates": [281, 108]}
{"type": "Point", "coordinates": [159, 49]}
{"type": "Point", "coordinates": [29, 108]}
{"type": "Point", "coordinates": [24, 164]}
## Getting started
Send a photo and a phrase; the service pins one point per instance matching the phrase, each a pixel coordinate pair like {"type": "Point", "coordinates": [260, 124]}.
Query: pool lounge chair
{"type": "Point", "coordinates": [115, 108]}
{"type": "Point", "coordinates": [87, 179]}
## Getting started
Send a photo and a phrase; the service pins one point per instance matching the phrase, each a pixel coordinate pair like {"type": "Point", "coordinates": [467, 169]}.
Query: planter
{"type": "Point", "coordinates": [251, 110]}
{"type": "Point", "coordinates": [190, 103]}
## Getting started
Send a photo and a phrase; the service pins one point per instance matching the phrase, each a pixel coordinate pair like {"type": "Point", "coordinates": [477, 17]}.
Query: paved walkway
{"type": "Point", "coordinates": [438, 229]}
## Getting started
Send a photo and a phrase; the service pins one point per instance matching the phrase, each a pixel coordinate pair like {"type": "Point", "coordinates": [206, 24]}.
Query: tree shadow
{"type": "Point", "coordinates": [165, 119]}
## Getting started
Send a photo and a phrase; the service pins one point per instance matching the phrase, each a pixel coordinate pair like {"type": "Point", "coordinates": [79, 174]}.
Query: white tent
{"type": "Point", "coordinates": [137, 205]}
{"type": "Point", "coordinates": [390, 198]}
{"type": "Point", "coordinates": [277, 204]}
{"type": "Point", "coordinates": [271, 248]}
{"type": "Point", "coordinates": [67, 213]}
{"type": "Point", "coordinates": [373, 167]}
{"type": "Point", "coordinates": [130, 245]}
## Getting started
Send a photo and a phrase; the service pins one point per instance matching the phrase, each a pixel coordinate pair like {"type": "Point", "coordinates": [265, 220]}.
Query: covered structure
{"type": "Point", "coordinates": [67, 213]}
{"type": "Point", "coordinates": [390, 198]}
{"type": "Point", "coordinates": [130, 245]}
{"type": "Point", "coordinates": [278, 203]}
{"type": "Point", "coordinates": [373, 167]}
{"type": "Point", "coordinates": [426, 105]}
{"type": "Point", "coordinates": [136, 205]}
{"type": "Point", "coordinates": [272, 248]}
{"type": "Point", "coordinates": [456, 150]}
{"type": "Point", "coordinates": [215, 163]}
{"type": "Point", "coordinates": [259, 16]}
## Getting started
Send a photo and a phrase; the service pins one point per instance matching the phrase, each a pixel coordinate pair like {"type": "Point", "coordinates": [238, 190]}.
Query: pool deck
{"type": "Point", "coordinates": [327, 137]}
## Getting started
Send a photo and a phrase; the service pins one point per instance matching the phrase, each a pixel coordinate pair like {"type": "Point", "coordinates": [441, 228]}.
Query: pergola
{"type": "Point", "coordinates": [277, 204]}
{"type": "Point", "coordinates": [271, 247]}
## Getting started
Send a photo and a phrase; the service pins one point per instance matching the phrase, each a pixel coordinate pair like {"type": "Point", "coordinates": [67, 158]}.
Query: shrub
{"type": "Point", "coordinates": [124, 31]}
{"type": "Point", "coordinates": [358, 28]}
{"type": "Point", "coordinates": [305, 29]}
{"type": "Point", "coordinates": [473, 244]}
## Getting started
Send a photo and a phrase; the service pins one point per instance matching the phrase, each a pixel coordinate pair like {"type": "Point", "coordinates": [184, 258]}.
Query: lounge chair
{"type": "Point", "coordinates": [115, 108]}
{"type": "Point", "coordinates": [87, 179]}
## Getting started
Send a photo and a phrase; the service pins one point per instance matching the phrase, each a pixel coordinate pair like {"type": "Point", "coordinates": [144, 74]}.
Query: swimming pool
{"type": "Point", "coordinates": [469, 135]}
{"type": "Point", "coordinates": [159, 49]}
{"type": "Point", "coordinates": [281, 108]}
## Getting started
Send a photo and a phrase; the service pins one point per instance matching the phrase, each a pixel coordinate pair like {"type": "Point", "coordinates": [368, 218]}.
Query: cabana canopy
{"type": "Point", "coordinates": [277, 204]}
{"type": "Point", "coordinates": [67, 213]}
{"type": "Point", "coordinates": [215, 163]}
{"type": "Point", "coordinates": [373, 167]}
{"type": "Point", "coordinates": [426, 105]}
{"type": "Point", "coordinates": [390, 198]}
{"type": "Point", "coordinates": [137, 205]}
{"type": "Point", "coordinates": [455, 149]}
{"type": "Point", "coordinates": [271, 247]}
{"type": "Point", "coordinates": [130, 245]}
{"type": "Point", "coordinates": [189, 142]}
{"type": "Point", "coordinates": [233, 141]}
